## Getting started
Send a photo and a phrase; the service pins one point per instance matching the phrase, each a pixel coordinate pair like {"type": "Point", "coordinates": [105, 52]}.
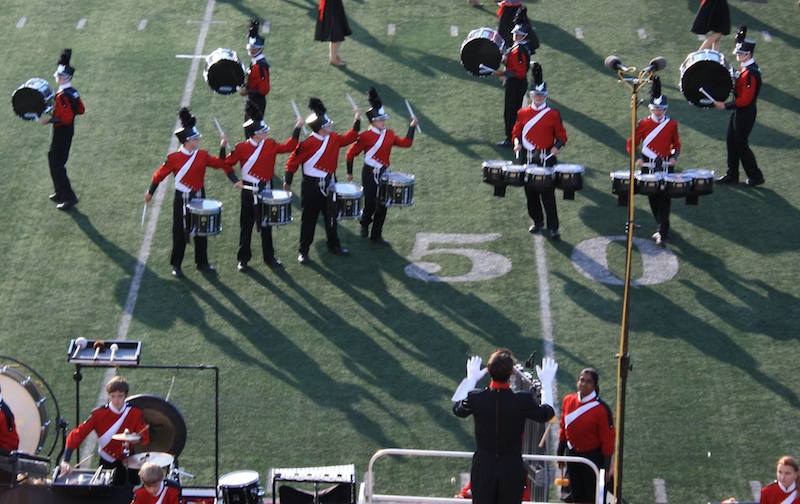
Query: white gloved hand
{"type": "Point", "coordinates": [474, 375]}
{"type": "Point", "coordinates": [546, 374]}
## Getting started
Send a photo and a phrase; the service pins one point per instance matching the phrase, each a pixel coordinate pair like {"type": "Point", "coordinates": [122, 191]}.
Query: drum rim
{"type": "Point", "coordinates": [548, 170]}
{"type": "Point", "coordinates": [203, 209]}
{"type": "Point", "coordinates": [580, 168]}
{"type": "Point", "coordinates": [240, 485]}
{"type": "Point", "coordinates": [40, 403]}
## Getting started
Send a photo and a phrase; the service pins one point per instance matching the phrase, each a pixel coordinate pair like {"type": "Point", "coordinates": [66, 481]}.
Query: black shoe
{"type": "Point", "coordinates": [274, 263]}
{"type": "Point", "coordinates": [176, 272]}
{"type": "Point", "coordinates": [504, 143]}
{"type": "Point", "coordinates": [536, 228]}
{"type": "Point", "coordinates": [206, 268]}
{"type": "Point", "coordinates": [364, 231]}
{"type": "Point", "coordinates": [754, 182]}
{"type": "Point", "coordinates": [55, 198]}
{"type": "Point", "coordinates": [554, 234]}
{"type": "Point", "coordinates": [242, 267]}
{"type": "Point", "coordinates": [728, 179]}
{"type": "Point", "coordinates": [380, 241]}
{"type": "Point", "coordinates": [303, 258]}
{"type": "Point", "coordinates": [67, 205]}
{"type": "Point", "coordinates": [340, 251]}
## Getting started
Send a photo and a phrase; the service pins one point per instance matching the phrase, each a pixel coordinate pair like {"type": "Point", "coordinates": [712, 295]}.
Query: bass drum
{"type": "Point", "coordinates": [708, 70]}
{"type": "Point", "coordinates": [224, 72]}
{"type": "Point", "coordinates": [167, 427]}
{"type": "Point", "coordinates": [33, 99]}
{"type": "Point", "coordinates": [483, 47]}
{"type": "Point", "coordinates": [27, 402]}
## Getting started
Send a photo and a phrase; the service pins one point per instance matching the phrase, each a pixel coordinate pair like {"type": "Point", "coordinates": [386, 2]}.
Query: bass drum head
{"type": "Point", "coordinates": [28, 103]}
{"type": "Point", "coordinates": [714, 77]}
{"type": "Point", "coordinates": [24, 397]}
{"type": "Point", "coordinates": [224, 72]}
{"type": "Point", "coordinates": [167, 427]}
{"type": "Point", "coordinates": [480, 51]}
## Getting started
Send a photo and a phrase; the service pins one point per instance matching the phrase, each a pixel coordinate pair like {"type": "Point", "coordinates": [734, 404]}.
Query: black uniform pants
{"type": "Point", "coordinates": [259, 100]}
{"type": "Point", "coordinates": [57, 157]}
{"type": "Point", "coordinates": [515, 92]}
{"type": "Point", "coordinates": [739, 128]}
{"type": "Point", "coordinates": [374, 211]}
{"type": "Point", "coordinates": [250, 215]}
{"type": "Point", "coordinates": [581, 477]}
{"type": "Point", "coordinates": [497, 480]}
{"type": "Point", "coordinates": [122, 475]}
{"type": "Point", "coordinates": [547, 199]}
{"type": "Point", "coordinates": [660, 205]}
{"type": "Point", "coordinates": [181, 226]}
{"type": "Point", "coordinates": [315, 202]}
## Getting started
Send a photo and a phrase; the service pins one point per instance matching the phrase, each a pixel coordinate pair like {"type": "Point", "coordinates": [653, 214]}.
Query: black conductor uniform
{"type": "Point", "coordinates": [498, 473]}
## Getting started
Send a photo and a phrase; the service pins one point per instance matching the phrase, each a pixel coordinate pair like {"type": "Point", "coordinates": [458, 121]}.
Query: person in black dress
{"type": "Point", "coordinates": [332, 27]}
{"type": "Point", "coordinates": [713, 16]}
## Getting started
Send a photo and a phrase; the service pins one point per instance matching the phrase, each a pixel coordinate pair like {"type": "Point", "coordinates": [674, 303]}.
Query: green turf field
{"type": "Point", "coordinates": [328, 363]}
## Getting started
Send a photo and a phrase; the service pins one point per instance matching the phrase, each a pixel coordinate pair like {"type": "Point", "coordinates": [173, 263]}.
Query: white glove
{"type": "Point", "coordinates": [474, 375]}
{"type": "Point", "coordinates": [546, 374]}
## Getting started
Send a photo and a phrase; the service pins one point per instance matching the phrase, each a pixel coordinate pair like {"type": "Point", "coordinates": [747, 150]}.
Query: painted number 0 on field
{"type": "Point", "coordinates": [485, 265]}
{"type": "Point", "coordinates": [590, 258]}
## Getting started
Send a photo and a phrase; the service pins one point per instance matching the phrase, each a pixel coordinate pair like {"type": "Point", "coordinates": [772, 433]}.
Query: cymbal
{"type": "Point", "coordinates": [127, 437]}
{"type": "Point", "coordinates": [159, 458]}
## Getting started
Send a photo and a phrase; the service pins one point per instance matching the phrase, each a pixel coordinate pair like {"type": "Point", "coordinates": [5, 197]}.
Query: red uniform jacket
{"type": "Point", "coordinates": [100, 421]}
{"type": "Point", "coordinates": [171, 496]}
{"type": "Point", "coordinates": [547, 132]}
{"type": "Point", "coordinates": [664, 143]}
{"type": "Point", "coordinates": [517, 61]}
{"type": "Point", "coordinates": [329, 159]}
{"type": "Point", "coordinates": [9, 440]}
{"type": "Point", "coordinates": [367, 139]}
{"type": "Point", "coordinates": [194, 178]}
{"type": "Point", "coordinates": [264, 166]}
{"type": "Point", "coordinates": [748, 84]}
{"type": "Point", "coordinates": [258, 79]}
{"type": "Point", "coordinates": [774, 494]}
{"type": "Point", "coordinates": [66, 106]}
{"type": "Point", "coordinates": [590, 430]}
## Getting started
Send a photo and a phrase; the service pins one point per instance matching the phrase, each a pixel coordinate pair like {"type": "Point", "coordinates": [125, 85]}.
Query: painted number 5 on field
{"type": "Point", "coordinates": [485, 265]}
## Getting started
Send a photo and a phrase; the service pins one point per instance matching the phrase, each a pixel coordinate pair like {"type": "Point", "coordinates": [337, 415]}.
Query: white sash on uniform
{"type": "Point", "coordinates": [248, 165]}
{"type": "Point", "coordinates": [102, 441]}
{"type": "Point", "coordinates": [530, 124]}
{"type": "Point", "coordinates": [162, 494]}
{"type": "Point", "coordinates": [309, 168]}
{"type": "Point", "coordinates": [182, 172]}
{"type": "Point", "coordinates": [369, 155]}
{"type": "Point", "coordinates": [646, 150]}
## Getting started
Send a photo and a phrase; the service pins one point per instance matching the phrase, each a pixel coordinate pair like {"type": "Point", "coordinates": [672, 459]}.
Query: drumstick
{"type": "Point", "coordinates": [219, 128]}
{"type": "Point", "coordinates": [297, 114]}
{"type": "Point", "coordinates": [98, 347]}
{"type": "Point", "coordinates": [544, 434]}
{"type": "Point", "coordinates": [352, 102]}
{"type": "Point", "coordinates": [80, 344]}
{"type": "Point", "coordinates": [413, 115]}
{"type": "Point", "coordinates": [85, 459]}
{"type": "Point", "coordinates": [707, 95]}
{"type": "Point", "coordinates": [144, 212]}
{"type": "Point", "coordinates": [484, 68]}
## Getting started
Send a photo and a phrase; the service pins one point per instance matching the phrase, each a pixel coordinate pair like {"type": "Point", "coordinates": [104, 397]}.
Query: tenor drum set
{"type": "Point", "coordinates": [566, 177]}
{"type": "Point", "coordinates": [689, 184]}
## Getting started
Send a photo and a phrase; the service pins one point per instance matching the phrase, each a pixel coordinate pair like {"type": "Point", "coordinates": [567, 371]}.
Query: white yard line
{"type": "Point", "coordinates": [22, 22]}
{"type": "Point", "coordinates": [81, 24]}
{"type": "Point", "coordinates": [142, 25]}
{"type": "Point", "coordinates": [660, 489]}
{"type": "Point", "coordinates": [155, 208]}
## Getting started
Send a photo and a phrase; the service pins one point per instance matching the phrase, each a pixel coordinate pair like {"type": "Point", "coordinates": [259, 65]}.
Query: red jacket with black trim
{"type": "Point", "coordinates": [66, 106]}
{"type": "Point", "coordinates": [546, 133]}
{"type": "Point", "coordinates": [195, 176]}
{"type": "Point", "coordinates": [592, 430]}
{"type": "Point", "coordinates": [367, 139]}
{"type": "Point", "coordinates": [664, 143]}
{"type": "Point", "coordinates": [101, 420]}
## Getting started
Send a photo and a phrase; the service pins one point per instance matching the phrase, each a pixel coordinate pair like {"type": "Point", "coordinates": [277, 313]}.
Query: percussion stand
{"type": "Point", "coordinates": [634, 80]}
{"type": "Point", "coordinates": [77, 376]}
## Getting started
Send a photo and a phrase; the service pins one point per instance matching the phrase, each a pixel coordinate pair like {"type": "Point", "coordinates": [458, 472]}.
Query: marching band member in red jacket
{"type": "Point", "coordinates": [785, 489]}
{"type": "Point", "coordinates": [9, 439]}
{"type": "Point", "coordinates": [318, 155]}
{"type": "Point", "coordinates": [376, 143]}
{"type": "Point", "coordinates": [748, 85]}
{"type": "Point", "coordinates": [661, 146]}
{"type": "Point", "coordinates": [257, 86]}
{"type": "Point", "coordinates": [540, 132]}
{"type": "Point", "coordinates": [115, 417]}
{"type": "Point", "coordinates": [517, 60]}
{"type": "Point", "coordinates": [154, 489]}
{"type": "Point", "coordinates": [256, 155]}
{"type": "Point", "coordinates": [587, 430]}
{"type": "Point", "coordinates": [188, 165]}
{"type": "Point", "coordinates": [66, 106]}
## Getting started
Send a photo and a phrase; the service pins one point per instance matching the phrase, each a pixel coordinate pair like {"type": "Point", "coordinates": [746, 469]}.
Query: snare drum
{"type": "Point", "coordinates": [514, 175]}
{"type": "Point", "coordinates": [539, 178]}
{"type": "Point", "coordinates": [702, 181]}
{"type": "Point", "coordinates": [707, 69]}
{"type": "Point", "coordinates": [239, 487]}
{"type": "Point", "coordinates": [224, 73]}
{"type": "Point", "coordinates": [205, 216]}
{"type": "Point", "coordinates": [396, 189]}
{"type": "Point", "coordinates": [348, 201]}
{"type": "Point", "coordinates": [649, 183]}
{"type": "Point", "coordinates": [482, 47]}
{"type": "Point", "coordinates": [276, 207]}
{"type": "Point", "coordinates": [493, 171]}
{"type": "Point", "coordinates": [33, 99]}
{"type": "Point", "coordinates": [678, 185]}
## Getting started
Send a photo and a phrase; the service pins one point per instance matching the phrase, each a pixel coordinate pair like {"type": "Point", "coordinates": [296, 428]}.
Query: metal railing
{"type": "Point", "coordinates": [373, 498]}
